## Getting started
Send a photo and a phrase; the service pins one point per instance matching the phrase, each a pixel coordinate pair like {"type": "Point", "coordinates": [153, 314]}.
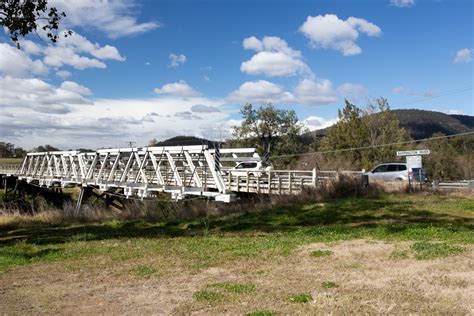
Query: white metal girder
{"type": "Point", "coordinates": [174, 170]}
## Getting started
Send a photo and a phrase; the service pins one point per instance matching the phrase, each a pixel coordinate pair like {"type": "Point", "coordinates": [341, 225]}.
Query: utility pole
{"type": "Point", "coordinates": [130, 143]}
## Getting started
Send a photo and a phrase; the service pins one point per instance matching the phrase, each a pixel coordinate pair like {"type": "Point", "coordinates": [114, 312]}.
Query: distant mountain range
{"type": "Point", "coordinates": [186, 141]}
{"type": "Point", "coordinates": [422, 124]}
{"type": "Point", "coordinates": [419, 123]}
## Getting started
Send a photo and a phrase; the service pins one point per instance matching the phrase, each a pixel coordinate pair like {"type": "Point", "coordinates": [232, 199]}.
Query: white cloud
{"type": "Point", "coordinates": [176, 60]}
{"type": "Point", "coordinates": [261, 91]}
{"type": "Point", "coordinates": [428, 93]}
{"type": "Point", "coordinates": [63, 74]}
{"type": "Point", "coordinates": [40, 96]}
{"type": "Point", "coordinates": [67, 52]}
{"type": "Point", "coordinates": [179, 89]}
{"type": "Point", "coordinates": [57, 56]}
{"type": "Point", "coordinates": [453, 111]}
{"type": "Point", "coordinates": [201, 108]}
{"type": "Point", "coordinates": [307, 92]}
{"type": "Point", "coordinates": [273, 58]}
{"type": "Point", "coordinates": [315, 122]}
{"type": "Point", "coordinates": [310, 92]}
{"type": "Point", "coordinates": [187, 115]}
{"type": "Point", "coordinates": [402, 3]}
{"type": "Point", "coordinates": [463, 56]}
{"type": "Point", "coordinates": [74, 87]}
{"type": "Point", "coordinates": [71, 51]}
{"type": "Point", "coordinates": [15, 62]}
{"type": "Point", "coordinates": [114, 18]}
{"type": "Point", "coordinates": [108, 122]}
{"type": "Point", "coordinates": [253, 43]}
{"type": "Point", "coordinates": [352, 91]}
{"type": "Point", "coordinates": [330, 32]}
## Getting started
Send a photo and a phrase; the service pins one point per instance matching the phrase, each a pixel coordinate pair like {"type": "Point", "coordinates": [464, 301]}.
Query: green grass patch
{"type": "Point", "coordinates": [321, 253]}
{"type": "Point", "coordinates": [429, 250]}
{"type": "Point", "coordinates": [10, 161]}
{"type": "Point", "coordinates": [143, 271]}
{"type": "Point", "coordinates": [84, 237]}
{"type": "Point", "coordinates": [207, 296]}
{"type": "Point", "coordinates": [301, 298]}
{"type": "Point", "coordinates": [239, 288]}
{"type": "Point", "coordinates": [329, 285]}
{"type": "Point", "coordinates": [261, 313]}
{"type": "Point", "coordinates": [261, 235]}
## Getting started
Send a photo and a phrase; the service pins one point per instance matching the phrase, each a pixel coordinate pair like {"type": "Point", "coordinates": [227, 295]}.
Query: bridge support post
{"type": "Point", "coordinates": [84, 191]}
{"type": "Point", "coordinates": [315, 178]}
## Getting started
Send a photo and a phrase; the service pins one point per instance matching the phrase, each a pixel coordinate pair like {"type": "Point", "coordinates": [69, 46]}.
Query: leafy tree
{"type": "Point", "coordinates": [19, 152]}
{"type": "Point", "coordinates": [370, 127]}
{"type": "Point", "coordinates": [383, 127]}
{"type": "Point", "coordinates": [45, 148]}
{"type": "Point", "coordinates": [8, 150]}
{"type": "Point", "coordinates": [269, 130]}
{"type": "Point", "coordinates": [349, 132]}
{"type": "Point", "coordinates": [441, 163]}
{"type": "Point", "coordinates": [153, 142]}
{"type": "Point", "coordinates": [22, 17]}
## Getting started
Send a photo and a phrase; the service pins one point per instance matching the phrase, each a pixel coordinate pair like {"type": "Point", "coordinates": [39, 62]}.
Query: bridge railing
{"type": "Point", "coordinates": [9, 169]}
{"type": "Point", "coordinates": [279, 181]}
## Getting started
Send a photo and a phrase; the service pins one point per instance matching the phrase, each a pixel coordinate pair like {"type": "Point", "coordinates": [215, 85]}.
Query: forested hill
{"type": "Point", "coordinates": [419, 123]}
{"type": "Point", "coordinates": [422, 124]}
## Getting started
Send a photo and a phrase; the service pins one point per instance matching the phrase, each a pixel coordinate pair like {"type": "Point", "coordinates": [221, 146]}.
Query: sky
{"type": "Point", "coordinates": [137, 70]}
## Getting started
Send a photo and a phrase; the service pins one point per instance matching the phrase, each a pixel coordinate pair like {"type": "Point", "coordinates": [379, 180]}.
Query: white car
{"type": "Point", "coordinates": [396, 171]}
{"type": "Point", "coordinates": [252, 168]}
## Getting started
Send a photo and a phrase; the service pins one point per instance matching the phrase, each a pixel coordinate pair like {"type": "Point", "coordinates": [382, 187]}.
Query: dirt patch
{"type": "Point", "coordinates": [360, 276]}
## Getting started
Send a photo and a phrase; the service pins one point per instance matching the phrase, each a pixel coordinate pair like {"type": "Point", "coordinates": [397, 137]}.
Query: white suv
{"type": "Point", "coordinates": [391, 172]}
{"type": "Point", "coordinates": [253, 168]}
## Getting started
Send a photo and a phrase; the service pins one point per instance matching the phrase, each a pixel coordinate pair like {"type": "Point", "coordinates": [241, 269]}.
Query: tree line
{"type": "Point", "coordinates": [353, 143]}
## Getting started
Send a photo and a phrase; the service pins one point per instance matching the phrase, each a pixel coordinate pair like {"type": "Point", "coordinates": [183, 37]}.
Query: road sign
{"type": "Point", "coordinates": [414, 162]}
{"type": "Point", "coordinates": [413, 152]}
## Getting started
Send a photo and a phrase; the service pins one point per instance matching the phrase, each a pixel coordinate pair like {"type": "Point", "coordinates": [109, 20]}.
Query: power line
{"type": "Point", "coordinates": [437, 96]}
{"type": "Point", "coordinates": [374, 146]}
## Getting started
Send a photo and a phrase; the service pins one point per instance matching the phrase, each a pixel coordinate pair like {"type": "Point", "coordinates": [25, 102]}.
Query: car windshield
{"type": "Point", "coordinates": [246, 165]}
{"type": "Point", "coordinates": [381, 168]}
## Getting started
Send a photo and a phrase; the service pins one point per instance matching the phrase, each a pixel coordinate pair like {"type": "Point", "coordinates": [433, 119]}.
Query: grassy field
{"type": "Point", "coordinates": [10, 161]}
{"type": "Point", "coordinates": [392, 254]}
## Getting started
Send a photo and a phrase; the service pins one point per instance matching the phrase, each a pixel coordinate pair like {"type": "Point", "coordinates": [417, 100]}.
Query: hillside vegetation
{"type": "Point", "coordinates": [423, 124]}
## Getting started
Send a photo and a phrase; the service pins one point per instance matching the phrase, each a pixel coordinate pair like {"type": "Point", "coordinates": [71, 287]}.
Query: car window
{"type": "Point", "coordinates": [392, 168]}
{"type": "Point", "coordinates": [402, 167]}
{"type": "Point", "coordinates": [381, 168]}
{"type": "Point", "coordinates": [246, 165]}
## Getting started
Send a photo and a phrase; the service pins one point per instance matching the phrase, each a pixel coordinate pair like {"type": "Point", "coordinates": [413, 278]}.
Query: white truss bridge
{"type": "Point", "coordinates": [178, 170]}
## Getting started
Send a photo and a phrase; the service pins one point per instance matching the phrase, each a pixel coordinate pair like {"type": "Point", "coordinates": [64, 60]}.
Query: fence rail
{"type": "Point", "coordinates": [465, 184]}
{"type": "Point", "coordinates": [9, 169]}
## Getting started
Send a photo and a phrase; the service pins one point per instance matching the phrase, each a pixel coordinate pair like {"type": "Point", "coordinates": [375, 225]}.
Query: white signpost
{"type": "Point", "coordinates": [413, 152]}
{"type": "Point", "coordinates": [413, 157]}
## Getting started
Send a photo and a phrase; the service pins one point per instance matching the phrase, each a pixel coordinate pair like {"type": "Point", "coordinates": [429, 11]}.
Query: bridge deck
{"type": "Point", "coordinates": [179, 170]}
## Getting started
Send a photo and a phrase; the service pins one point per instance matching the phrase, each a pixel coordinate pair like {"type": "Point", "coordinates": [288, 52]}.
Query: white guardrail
{"type": "Point", "coordinates": [465, 184]}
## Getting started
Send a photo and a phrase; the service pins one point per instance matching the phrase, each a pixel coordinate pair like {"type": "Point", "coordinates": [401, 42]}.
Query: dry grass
{"type": "Point", "coordinates": [10, 161]}
{"type": "Point", "coordinates": [391, 254]}
{"type": "Point", "coordinates": [368, 280]}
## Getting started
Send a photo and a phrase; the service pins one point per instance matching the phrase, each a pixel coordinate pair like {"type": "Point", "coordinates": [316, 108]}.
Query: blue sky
{"type": "Point", "coordinates": [137, 70]}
